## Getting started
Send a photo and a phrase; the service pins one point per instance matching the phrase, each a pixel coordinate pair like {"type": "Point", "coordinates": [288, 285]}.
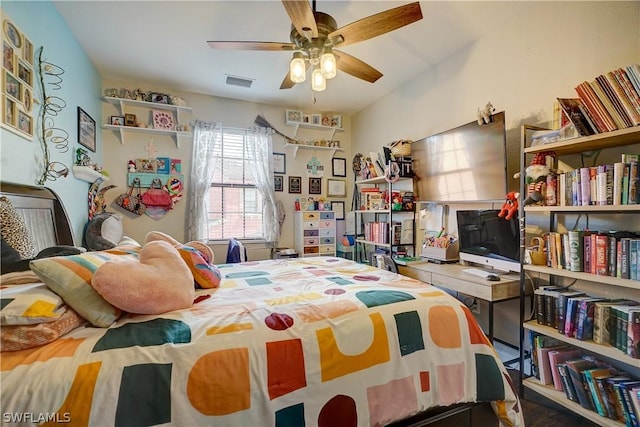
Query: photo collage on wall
{"type": "Point", "coordinates": [17, 80]}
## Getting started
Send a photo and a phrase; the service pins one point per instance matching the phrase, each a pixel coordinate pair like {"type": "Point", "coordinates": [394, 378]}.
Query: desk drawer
{"type": "Point", "coordinates": [311, 216]}
{"type": "Point", "coordinates": [311, 250]}
{"type": "Point", "coordinates": [327, 223]}
{"type": "Point", "coordinates": [310, 241]}
{"type": "Point", "coordinates": [308, 225]}
{"type": "Point", "coordinates": [414, 273]}
{"type": "Point", "coordinates": [327, 215]}
{"type": "Point", "coordinates": [327, 232]}
{"type": "Point", "coordinates": [474, 289]}
{"type": "Point", "coordinates": [328, 250]}
{"type": "Point", "coordinates": [310, 233]}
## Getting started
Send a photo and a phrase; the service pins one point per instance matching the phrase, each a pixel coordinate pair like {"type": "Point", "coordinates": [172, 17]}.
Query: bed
{"type": "Point", "coordinates": [289, 342]}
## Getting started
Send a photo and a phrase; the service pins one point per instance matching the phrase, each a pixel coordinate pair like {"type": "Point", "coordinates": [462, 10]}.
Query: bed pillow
{"type": "Point", "coordinates": [29, 304]}
{"type": "Point", "coordinates": [22, 337]}
{"type": "Point", "coordinates": [14, 230]}
{"type": "Point", "coordinates": [70, 277]}
{"type": "Point", "coordinates": [158, 282]}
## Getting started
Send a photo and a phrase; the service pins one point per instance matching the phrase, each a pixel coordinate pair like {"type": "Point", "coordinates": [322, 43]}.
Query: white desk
{"type": "Point", "coordinates": [452, 277]}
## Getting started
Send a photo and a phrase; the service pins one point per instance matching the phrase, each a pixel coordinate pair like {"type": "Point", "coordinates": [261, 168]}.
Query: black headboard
{"type": "Point", "coordinates": [43, 212]}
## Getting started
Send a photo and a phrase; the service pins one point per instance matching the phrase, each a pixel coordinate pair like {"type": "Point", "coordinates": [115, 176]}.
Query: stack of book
{"type": "Point", "coordinates": [377, 232]}
{"type": "Point", "coordinates": [605, 253]}
{"type": "Point", "coordinates": [586, 380]}
{"type": "Point", "coordinates": [613, 322]}
{"type": "Point", "coordinates": [372, 198]}
{"type": "Point", "coordinates": [608, 184]}
{"type": "Point", "coordinates": [608, 102]}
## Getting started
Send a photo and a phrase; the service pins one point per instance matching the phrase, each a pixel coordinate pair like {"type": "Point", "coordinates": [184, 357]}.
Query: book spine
{"type": "Point", "coordinates": [585, 187]}
{"type": "Point", "coordinates": [633, 334]}
{"type": "Point", "coordinates": [619, 391]}
{"type": "Point", "coordinates": [575, 250]}
{"type": "Point", "coordinates": [582, 313]}
{"type": "Point", "coordinates": [634, 177]}
{"type": "Point", "coordinates": [625, 184]}
{"type": "Point", "coordinates": [601, 252]}
{"type": "Point", "coordinates": [633, 259]}
{"type": "Point", "coordinates": [567, 384]}
{"type": "Point", "coordinates": [589, 104]}
{"type": "Point", "coordinates": [566, 251]}
{"type": "Point", "coordinates": [612, 256]}
{"type": "Point", "coordinates": [586, 257]}
{"type": "Point", "coordinates": [618, 172]}
{"type": "Point", "coordinates": [624, 257]}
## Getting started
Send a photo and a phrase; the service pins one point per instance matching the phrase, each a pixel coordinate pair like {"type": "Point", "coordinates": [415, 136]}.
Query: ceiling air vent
{"type": "Point", "coordinates": [239, 81]}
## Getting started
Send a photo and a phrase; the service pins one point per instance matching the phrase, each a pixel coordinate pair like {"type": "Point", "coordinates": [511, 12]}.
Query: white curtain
{"type": "Point", "coordinates": [259, 152]}
{"type": "Point", "coordinates": [207, 139]}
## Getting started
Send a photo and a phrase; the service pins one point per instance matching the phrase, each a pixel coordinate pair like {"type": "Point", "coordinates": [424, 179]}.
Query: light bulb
{"type": "Point", "coordinates": [318, 82]}
{"type": "Point", "coordinates": [328, 65]}
{"type": "Point", "coordinates": [297, 68]}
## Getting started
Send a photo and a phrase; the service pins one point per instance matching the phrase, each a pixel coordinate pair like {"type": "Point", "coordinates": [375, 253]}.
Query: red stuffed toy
{"type": "Point", "coordinates": [510, 206]}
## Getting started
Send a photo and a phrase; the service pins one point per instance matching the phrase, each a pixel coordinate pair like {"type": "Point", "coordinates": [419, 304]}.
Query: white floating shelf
{"type": "Point", "coordinates": [88, 174]}
{"type": "Point", "coordinates": [121, 130]}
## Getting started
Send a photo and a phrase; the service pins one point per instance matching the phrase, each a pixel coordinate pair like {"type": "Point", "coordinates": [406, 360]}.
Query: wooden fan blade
{"type": "Point", "coordinates": [376, 25]}
{"type": "Point", "coordinates": [352, 65]}
{"type": "Point", "coordinates": [302, 17]}
{"type": "Point", "coordinates": [248, 45]}
{"type": "Point", "coordinates": [287, 83]}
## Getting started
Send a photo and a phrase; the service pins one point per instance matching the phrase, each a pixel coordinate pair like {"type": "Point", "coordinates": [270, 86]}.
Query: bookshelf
{"type": "Point", "coordinates": [562, 218]}
{"type": "Point", "coordinates": [378, 225]}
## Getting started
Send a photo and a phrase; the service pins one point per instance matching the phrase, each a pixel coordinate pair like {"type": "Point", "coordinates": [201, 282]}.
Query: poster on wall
{"type": "Point", "coordinates": [17, 79]}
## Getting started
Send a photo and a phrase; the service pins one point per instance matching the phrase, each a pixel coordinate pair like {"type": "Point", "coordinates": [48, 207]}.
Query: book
{"type": "Point", "coordinates": [584, 328]}
{"type": "Point", "coordinates": [622, 98]}
{"type": "Point", "coordinates": [613, 98]}
{"type": "Point", "coordinates": [558, 356]}
{"type": "Point", "coordinates": [603, 120]}
{"type": "Point", "coordinates": [544, 364]}
{"type": "Point", "coordinates": [634, 181]}
{"type": "Point", "coordinates": [572, 109]}
{"type": "Point", "coordinates": [634, 394]}
{"type": "Point", "coordinates": [633, 333]}
{"type": "Point", "coordinates": [602, 322]}
{"type": "Point", "coordinates": [576, 368]}
{"type": "Point", "coordinates": [598, 399]}
{"type": "Point", "coordinates": [615, 116]}
{"type": "Point", "coordinates": [601, 255]}
{"type": "Point", "coordinates": [630, 416]}
{"type": "Point", "coordinates": [575, 250]}
{"type": "Point", "coordinates": [618, 173]}
{"type": "Point", "coordinates": [567, 384]}
{"type": "Point", "coordinates": [561, 307]}
{"type": "Point", "coordinates": [616, 411]}
{"type": "Point", "coordinates": [627, 87]}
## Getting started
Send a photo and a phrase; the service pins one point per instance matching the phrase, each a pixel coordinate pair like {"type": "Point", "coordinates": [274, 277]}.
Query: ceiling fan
{"type": "Point", "coordinates": [315, 35]}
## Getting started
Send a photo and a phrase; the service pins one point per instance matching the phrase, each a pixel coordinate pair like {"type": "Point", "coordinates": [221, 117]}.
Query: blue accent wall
{"type": "Point", "coordinates": [21, 159]}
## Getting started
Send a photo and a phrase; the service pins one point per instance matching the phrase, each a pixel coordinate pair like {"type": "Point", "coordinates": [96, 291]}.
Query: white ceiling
{"type": "Point", "coordinates": [164, 43]}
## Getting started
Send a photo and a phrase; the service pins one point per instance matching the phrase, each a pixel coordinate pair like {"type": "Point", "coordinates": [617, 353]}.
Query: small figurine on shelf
{"type": "Point", "coordinates": [82, 158]}
{"type": "Point", "coordinates": [132, 166]}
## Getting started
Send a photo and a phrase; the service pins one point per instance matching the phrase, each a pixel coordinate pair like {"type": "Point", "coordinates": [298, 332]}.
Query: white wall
{"type": "Point", "coordinates": [521, 67]}
{"type": "Point", "coordinates": [231, 113]}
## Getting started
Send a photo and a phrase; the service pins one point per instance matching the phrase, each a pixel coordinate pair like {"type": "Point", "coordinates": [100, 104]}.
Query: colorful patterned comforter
{"type": "Point", "coordinates": [300, 342]}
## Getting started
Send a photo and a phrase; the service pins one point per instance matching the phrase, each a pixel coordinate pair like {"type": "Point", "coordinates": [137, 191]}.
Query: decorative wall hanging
{"type": "Point", "coordinates": [51, 78]}
{"type": "Point", "coordinates": [163, 120]}
{"type": "Point", "coordinates": [314, 167]}
{"type": "Point", "coordinates": [17, 80]}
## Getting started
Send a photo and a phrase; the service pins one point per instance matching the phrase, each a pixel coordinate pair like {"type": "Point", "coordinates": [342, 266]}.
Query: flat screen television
{"type": "Point", "coordinates": [467, 163]}
{"type": "Point", "coordinates": [488, 240]}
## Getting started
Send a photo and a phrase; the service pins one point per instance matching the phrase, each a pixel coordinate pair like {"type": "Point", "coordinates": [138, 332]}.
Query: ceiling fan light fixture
{"type": "Point", "coordinates": [297, 68]}
{"type": "Point", "coordinates": [328, 65]}
{"type": "Point", "coordinates": [318, 82]}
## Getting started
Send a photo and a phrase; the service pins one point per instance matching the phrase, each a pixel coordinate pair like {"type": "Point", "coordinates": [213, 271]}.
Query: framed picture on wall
{"type": "Point", "coordinates": [339, 167]}
{"type": "Point", "coordinates": [336, 188]}
{"type": "Point", "coordinates": [315, 185]}
{"type": "Point", "coordinates": [86, 130]}
{"type": "Point", "coordinates": [338, 208]}
{"type": "Point", "coordinates": [278, 182]}
{"type": "Point", "coordinates": [279, 163]}
{"type": "Point", "coordinates": [295, 184]}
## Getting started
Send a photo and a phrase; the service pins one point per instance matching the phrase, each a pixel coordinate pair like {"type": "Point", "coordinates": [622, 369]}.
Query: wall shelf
{"type": "Point", "coordinates": [298, 125]}
{"type": "Point", "coordinates": [312, 147]}
{"type": "Point", "coordinates": [122, 130]}
{"type": "Point", "coordinates": [88, 174]}
{"type": "Point", "coordinates": [121, 103]}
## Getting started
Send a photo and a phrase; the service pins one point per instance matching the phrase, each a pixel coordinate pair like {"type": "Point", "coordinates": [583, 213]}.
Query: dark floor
{"type": "Point", "coordinates": [542, 412]}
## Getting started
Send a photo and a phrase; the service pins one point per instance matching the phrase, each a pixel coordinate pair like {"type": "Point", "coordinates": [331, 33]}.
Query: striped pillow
{"type": "Point", "coordinates": [29, 304]}
{"type": "Point", "coordinates": [70, 277]}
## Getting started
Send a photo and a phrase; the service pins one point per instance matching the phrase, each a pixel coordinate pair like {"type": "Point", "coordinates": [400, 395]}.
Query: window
{"type": "Point", "coordinates": [235, 204]}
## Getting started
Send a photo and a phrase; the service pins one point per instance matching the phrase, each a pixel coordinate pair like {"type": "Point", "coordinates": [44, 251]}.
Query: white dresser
{"type": "Point", "coordinates": [315, 233]}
